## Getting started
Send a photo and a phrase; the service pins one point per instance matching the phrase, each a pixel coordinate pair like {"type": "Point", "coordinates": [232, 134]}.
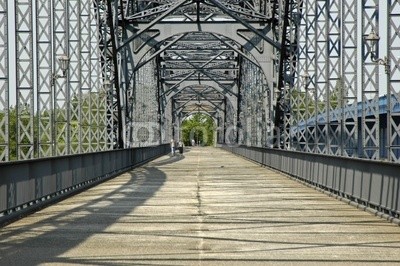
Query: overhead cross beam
{"type": "Point", "coordinates": [168, 11]}
{"type": "Point", "coordinates": [202, 56]}
{"type": "Point", "coordinates": [201, 70]}
{"type": "Point", "coordinates": [246, 24]}
{"type": "Point", "coordinates": [201, 96]}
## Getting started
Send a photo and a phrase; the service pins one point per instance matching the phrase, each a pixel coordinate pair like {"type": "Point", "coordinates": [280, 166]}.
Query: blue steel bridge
{"type": "Point", "coordinates": [92, 89]}
{"type": "Point", "coordinates": [300, 137]}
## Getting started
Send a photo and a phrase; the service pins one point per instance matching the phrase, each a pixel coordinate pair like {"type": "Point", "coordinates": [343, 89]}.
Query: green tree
{"type": "Point", "coordinates": [199, 127]}
{"type": "Point", "coordinates": [12, 130]}
{"type": "Point", "coordinates": [337, 95]}
{"type": "Point", "coordinates": [298, 104]}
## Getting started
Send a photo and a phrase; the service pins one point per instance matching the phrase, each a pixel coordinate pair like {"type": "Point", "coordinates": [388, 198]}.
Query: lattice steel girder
{"type": "Point", "coordinates": [4, 83]}
{"type": "Point", "coordinates": [244, 34]}
{"type": "Point", "coordinates": [168, 11]}
{"type": "Point", "coordinates": [264, 58]}
{"type": "Point", "coordinates": [193, 95]}
{"type": "Point", "coordinates": [192, 46]}
{"type": "Point", "coordinates": [200, 74]}
{"type": "Point", "coordinates": [197, 107]}
{"type": "Point", "coordinates": [45, 91]}
{"type": "Point", "coordinates": [286, 33]}
{"type": "Point", "coordinates": [197, 62]}
{"type": "Point", "coordinates": [107, 72]}
{"type": "Point", "coordinates": [178, 67]}
{"type": "Point", "coordinates": [393, 117]}
{"type": "Point", "coordinates": [203, 54]}
{"type": "Point", "coordinates": [246, 24]}
{"type": "Point", "coordinates": [199, 10]}
{"type": "Point", "coordinates": [186, 106]}
{"type": "Point", "coordinates": [150, 12]}
{"type": "Point", "coordinates": [200, 69]}
{"type": "Point", "coordinates": [24, 79]}
{"type": "Point", "coordinates": [201, 78]}
{"type": "Point", "coordinates": [160, 49]}
{"type": "Point", "coordinates": [167, 30]}
{"type": "Point", "coordinates": [229, 90]}
{"type": "Point", "coordinates": [191, 98]}
{"type": "Point", "coordinates": [370, 87]}
{"type": "Point", "coordinates": [46, 119]}
{"type": "Point", "coordinates": [349, 68]}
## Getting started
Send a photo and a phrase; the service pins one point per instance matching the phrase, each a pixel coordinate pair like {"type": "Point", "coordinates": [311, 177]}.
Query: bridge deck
{"type": "Point", "coordinates": [206, 207]}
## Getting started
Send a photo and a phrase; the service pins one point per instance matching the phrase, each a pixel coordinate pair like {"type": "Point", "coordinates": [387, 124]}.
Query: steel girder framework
{"type": "Point", "coordinates": [4, 80]}
{"type": "Point", "coordinates": [116, 52]}
{"type": "Point", "coordinates": [326, 79]}
{"type": "Point", "coordinates": [370, 86]}
{"type": "Point", "coordinates": [345, 102]}
{"type": "Point", "coordinates": [254, 97]}
{"type": "Point", "coordinates": [393, 116]}
{"type": "Point", "coordinates": [44, 113]}
{"type": "Point", "coordinates": [302, 66]}
{"type": "Point", "coordinates": [202, 50]}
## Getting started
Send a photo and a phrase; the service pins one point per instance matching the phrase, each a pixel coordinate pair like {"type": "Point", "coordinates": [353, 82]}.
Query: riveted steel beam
{"type": "Point", "coordinates": [154, 22]}
{"type": "Point", "coordinates": [4, 83]}
{"type": "Point", "coordinates": [247, 25]}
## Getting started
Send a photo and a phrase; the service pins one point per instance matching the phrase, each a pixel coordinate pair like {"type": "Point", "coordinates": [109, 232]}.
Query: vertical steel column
{"type": "Point", "coordinates": [61, 94]}
{"type": "Point", "coordinates": [230, 136]}
{"type": "Point", "coordinates": [24, 82]}
{"type": "Point", "coordinates": [349, 66]}
{"type": "Point", "coordinates": [224, 124]}
{"type": "Point", "coordinates": [112, 24]}
{"type": "Point", "coordinates": [370, 85]}
{"type": "Point", "coordinates": [144, 114]}
{"type": "Point", "coordinates": [75, 92]}
{"type": "Point", "coordinates": [393, 94]}
{"type": "Point", "coordinates": [260, 108]}
{"type": "Point", "coordinates": [105, 50]}
{"type": "Point", "coordinates": [322, 90]}
{"type": "Point", "coordinates": [44, 78]}
{"type": "Point", "coordinates": [88, 92]}
{"type": "Point", "coordinates": [249, 92]}
{"type": "Point", "coordinates": [334, 105]}
{"type": "Point", "coordinates": [311, 67]}
{"type": "Point", "coordinates": [302, 79]}
{"type": "Point", "coordinates": [251, 103]}
{"type": "Point", "coordinates": [98, 99]}
{"type": "Point", "coordinates": [128, 89]}
{"type": "Point", "coordinates": [127, 80]}
{"type": "Point", "coordinates": [312, 71]}
{"type": "Point", "coordinates": [4, 80]}
{"type": "Point", "coordinates": [292, 55]}
{"type": "Point", "coordinates": [287, 89]}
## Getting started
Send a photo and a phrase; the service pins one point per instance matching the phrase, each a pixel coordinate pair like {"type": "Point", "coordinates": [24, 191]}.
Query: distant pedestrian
{"type": "Point", "coordinates": [180, 147]}
{"type": "Point", "coordinates": [172, 147]}
{"type": "Point", "coordinates": [193, 142]}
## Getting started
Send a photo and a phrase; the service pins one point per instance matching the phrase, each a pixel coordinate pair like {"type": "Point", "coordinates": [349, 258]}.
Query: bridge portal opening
{"type": "Point", "coordinates": [198, 129]}
{"type": "Point", "coordinates": [201, 72]}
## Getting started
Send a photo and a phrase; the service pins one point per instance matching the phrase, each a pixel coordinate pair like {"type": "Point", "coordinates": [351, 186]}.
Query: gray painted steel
{"type": "Point", "coordinates": [205, 207]}
{"type": "Point", "coordinates": [371, 183]}
{"type": "Point", "coordinates": [26, 183]}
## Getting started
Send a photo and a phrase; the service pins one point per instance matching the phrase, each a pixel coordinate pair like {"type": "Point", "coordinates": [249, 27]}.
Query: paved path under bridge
{"type": "Point", "coordinates": [207, 207]}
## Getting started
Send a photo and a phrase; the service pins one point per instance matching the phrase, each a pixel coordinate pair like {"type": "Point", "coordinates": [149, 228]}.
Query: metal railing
{"type": "Point", "coordinates": [30, 184]}
{"type": "Point", "coordinates": [373, 184]}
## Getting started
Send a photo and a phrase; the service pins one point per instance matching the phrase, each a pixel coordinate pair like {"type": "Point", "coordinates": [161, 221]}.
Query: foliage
{"type": "Point", "coordinates": [12, 129]}
{"type": "Point", "coordinates": [89, 116]}
{"type": "Point", "coordinates": [305, 100]}
{"type": "Point", "coordinates": [200, 128]}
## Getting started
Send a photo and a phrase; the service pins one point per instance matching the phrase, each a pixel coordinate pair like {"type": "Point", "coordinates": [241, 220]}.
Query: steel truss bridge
{"type": "Point", "coordinates": [86, 77]}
